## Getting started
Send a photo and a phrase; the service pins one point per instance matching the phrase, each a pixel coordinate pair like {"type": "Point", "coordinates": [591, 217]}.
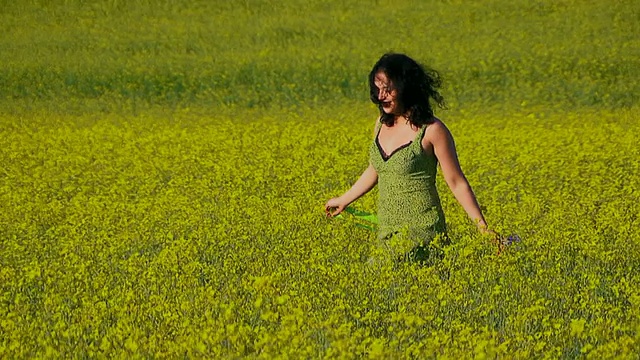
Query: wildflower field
{"type": "Point", "coordinates": [164, 166]}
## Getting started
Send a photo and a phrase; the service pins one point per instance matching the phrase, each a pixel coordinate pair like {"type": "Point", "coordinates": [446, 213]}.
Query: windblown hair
{"type": "Point", "coordinates": [417, 87]}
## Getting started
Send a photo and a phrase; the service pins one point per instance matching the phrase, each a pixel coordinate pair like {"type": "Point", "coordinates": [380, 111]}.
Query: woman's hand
{"type": "Point", "coordinates": [336, 203]}
{"type": "Point", "coordinates": [495, 238]}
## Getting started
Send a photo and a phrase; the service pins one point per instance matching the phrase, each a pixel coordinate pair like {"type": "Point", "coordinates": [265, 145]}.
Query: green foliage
{"type": "Point", "coordinates": [164, 235]}
{"type": "Point", "coordinates": [119, 55]}
{"type": "Point", "coordinates": [164, 166]}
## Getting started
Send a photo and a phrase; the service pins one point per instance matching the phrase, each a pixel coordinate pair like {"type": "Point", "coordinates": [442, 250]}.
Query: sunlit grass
{"type": "Point", "coordinates": [163, 170]}
{"type": "Point", "coordinates": [493, 54]}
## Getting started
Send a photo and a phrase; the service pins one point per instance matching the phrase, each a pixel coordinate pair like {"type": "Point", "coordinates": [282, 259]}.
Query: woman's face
{"type": "Point", "coordinates": [387, 95]}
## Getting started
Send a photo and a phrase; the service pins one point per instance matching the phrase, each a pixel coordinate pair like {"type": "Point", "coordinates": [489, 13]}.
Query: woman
{"type": "Point", "coordinates": [409, 143]}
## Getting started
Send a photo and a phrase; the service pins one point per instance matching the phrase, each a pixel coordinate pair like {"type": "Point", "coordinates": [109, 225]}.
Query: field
{"type": "Point", "coordinates": [164, 166]}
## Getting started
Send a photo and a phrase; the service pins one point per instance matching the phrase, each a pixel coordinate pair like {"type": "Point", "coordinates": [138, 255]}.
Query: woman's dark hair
{"type": "Point", "coordinates": [415, 84]}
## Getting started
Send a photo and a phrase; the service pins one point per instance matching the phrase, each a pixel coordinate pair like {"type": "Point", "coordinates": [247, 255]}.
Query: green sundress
{"type": "Point", "coordinates": [410, 215]}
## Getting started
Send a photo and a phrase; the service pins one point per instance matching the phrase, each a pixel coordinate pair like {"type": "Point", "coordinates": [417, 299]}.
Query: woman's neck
{"type": "Point", "coordinates": [401, 119]}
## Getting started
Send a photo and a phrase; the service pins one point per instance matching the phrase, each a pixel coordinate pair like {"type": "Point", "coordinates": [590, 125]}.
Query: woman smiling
{"type": "Point", "coordinates": [409, 143]}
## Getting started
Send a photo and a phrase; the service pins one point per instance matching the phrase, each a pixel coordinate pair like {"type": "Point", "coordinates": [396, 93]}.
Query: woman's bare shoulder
{"type": "Point", "coordinates": [438, 124]}
{"type": "Point", "coordinates": [435, 131]}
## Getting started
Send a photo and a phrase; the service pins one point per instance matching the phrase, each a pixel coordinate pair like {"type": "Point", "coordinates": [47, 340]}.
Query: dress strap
{"type": "Point", "coordinates": [423, 131]}
{"type": "Point", "coordinates": [378, 126]}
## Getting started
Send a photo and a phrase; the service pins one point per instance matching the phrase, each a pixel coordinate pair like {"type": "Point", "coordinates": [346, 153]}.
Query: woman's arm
{"type": "Point", "coordinates": [445, 151]}
{"type": "Point", "coordinates": [365, 183]}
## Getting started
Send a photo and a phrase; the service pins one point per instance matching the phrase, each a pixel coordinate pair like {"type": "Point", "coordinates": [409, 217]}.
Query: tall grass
{"type": "Point", "coordinates": [163, 166]}
{"type": "Point", "coordinates": [502, 54]}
